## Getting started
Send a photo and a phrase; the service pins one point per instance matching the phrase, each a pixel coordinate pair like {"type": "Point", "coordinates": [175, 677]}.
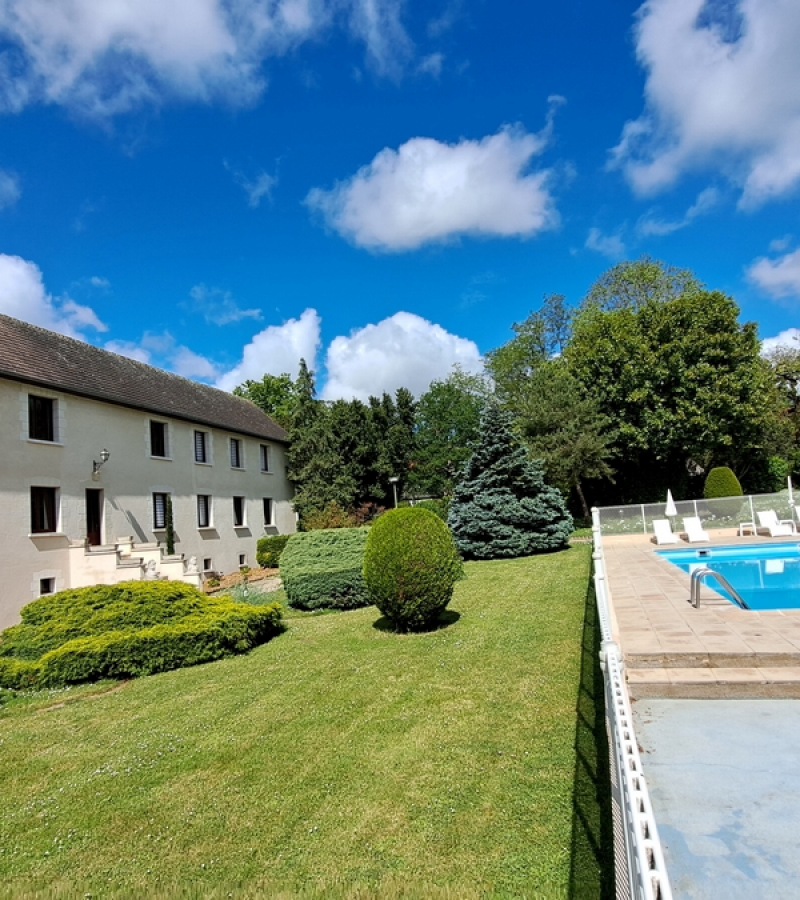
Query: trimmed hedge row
{"type": "Point", "coordinates": [322, 569]}
{"type": "Point", "coordinates": [269, 549]}
{"type": "Point", "coordinates": [113, 631]}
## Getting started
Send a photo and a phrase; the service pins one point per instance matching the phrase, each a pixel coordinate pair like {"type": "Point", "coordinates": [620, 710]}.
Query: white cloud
{"type": "Point", "coordinates": [23, 296]}
{"type": "Point", "coordinates": [401, 351]}
{"type": "Point", "coordinates": [706, 201]}
{"type": "Point", "coordinates": [256, 188]}
{"type": "Point", "coordinates": [427, 191]}
{"type": "Point", "coordinates": [610, 245]}
{"type": "Point", "coordinates": [10, 190]}
{"type": "Point", "coordinates": [722, 92]}
{"type": "Point", "coordinates": [277, 349]}
{"type": "Point", "coordinates": [778, 277]}
{"type": "Point", "coordinates": [164, 351]}
{"type": "Point", "coordinates": [431, 64]}
{"type": "Point", "coordinates": [191, 365]}
{"type": "Point", "coordinates": [789, 338]}
{"type": "Point", "coordinates": [103, 58]}
{"type": "Point", "coordinates": [218, 307]}
{"type": "Point", "coordinates": [130, 349]}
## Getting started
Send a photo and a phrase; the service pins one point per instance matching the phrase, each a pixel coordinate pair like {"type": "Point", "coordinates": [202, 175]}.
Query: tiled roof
{"type": "Point", "coordinates": [36, 356]}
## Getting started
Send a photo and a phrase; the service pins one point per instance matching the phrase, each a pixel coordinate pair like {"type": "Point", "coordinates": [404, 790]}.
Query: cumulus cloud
{"type": "Point", "coordinates": [164, 351]}
{"type": "Point", "coordinates": [10, 190]}
{"type": "Point", "coordinates": [277, 349]}
{"type": "Point", "coordinates": [23, 296]}
{"type": "Point", "coordinates": [789, 338]}
{"type": "Point", "coordinates": [427, 191]}
{"type": "Point", "coordinates": [610, 245]}
{"type": "Point", "coordinates": [401, 351]}
{"type": "Point", "coordinates": [706, 201]}
{"type": "Point", "coordinates": [778, 277]}
{"type": "Point", "coordinates": [218, 307]}
{"type": "Point", "coordinates": [103, 58]}
{"type": "Point", "coordinates": [722, 91]}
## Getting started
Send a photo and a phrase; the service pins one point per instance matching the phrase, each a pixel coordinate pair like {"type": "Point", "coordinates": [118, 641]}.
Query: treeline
{"type": "Point", "coordinates": [645, 385]}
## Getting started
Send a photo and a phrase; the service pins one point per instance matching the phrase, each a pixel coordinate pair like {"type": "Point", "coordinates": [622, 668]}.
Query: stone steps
{"type": "Point", "coordinates": [709, 682]}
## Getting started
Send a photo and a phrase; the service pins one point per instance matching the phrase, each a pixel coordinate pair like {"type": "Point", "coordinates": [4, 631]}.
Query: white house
{"type": "Point", "coordinates": [95, 447]}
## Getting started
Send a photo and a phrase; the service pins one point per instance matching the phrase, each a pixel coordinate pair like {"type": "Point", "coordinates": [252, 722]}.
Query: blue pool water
{"type": "Point", "coordinates": [767, 576]}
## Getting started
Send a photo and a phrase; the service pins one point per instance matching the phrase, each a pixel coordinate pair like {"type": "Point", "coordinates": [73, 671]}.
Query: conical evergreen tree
{"type": "Point", "coordinates": [501, 506]}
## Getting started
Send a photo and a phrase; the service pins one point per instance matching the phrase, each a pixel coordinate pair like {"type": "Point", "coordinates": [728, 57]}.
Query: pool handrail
{"type": "Point", "coordinates": [697, 577]}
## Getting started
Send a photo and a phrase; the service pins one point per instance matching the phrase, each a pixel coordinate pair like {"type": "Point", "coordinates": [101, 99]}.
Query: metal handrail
{"type": "Point", "coordinates": [694, 590]}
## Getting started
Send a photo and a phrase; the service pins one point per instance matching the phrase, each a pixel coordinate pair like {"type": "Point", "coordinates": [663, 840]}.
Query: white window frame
{"type": "Point", "coordinates": [209, 510]}
{"type": "Point", "coordinates": [239, 444]}
{"type": "Point", "coordinates": [265, 452]}
{"type": "Point", "coordinates": [243, 522]}
{"type": "Point", "coordinates": [206, 447]}
{"type": "Point", "coordinates": [167, 439]}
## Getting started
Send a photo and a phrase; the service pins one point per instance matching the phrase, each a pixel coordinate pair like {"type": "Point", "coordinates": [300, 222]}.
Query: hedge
{"type": "Point", "coordinates": [322, 569]}
{"type": "Point", "coordinates": [126, 630]}
{"type": "Point", "coordinates": [269, 549]}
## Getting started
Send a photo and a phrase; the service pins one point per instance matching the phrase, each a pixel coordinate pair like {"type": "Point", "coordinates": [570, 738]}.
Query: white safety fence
{"type": "Point", "coordinates": [723, 512]}
{"type": "Point", "coordinates": [638, 856]}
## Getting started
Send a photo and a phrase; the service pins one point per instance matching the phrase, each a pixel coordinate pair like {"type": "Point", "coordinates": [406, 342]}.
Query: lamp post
{"type": "Point", "coordinates": [393, 480]}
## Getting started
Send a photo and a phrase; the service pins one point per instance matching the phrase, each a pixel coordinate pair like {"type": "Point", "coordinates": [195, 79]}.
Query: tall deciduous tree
{"type": "Point", "coordinates": [274, 394]}
{"type": "Point", "coordinates": [501, 506]}
{"type": "Point", "coordinates": [679, 376]}
{"type": "Point", "coordinates": [562, 424]}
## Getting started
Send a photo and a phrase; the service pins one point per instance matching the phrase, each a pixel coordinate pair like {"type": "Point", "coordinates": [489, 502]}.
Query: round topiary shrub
{"type": "Point", "coordinates": [411, 565]}
{"type": "Point", "coordinates": [721, 482]}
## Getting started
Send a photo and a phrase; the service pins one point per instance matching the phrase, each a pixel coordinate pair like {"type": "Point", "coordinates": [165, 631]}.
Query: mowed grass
{"type": "Point", "coordinates": [338, 760]}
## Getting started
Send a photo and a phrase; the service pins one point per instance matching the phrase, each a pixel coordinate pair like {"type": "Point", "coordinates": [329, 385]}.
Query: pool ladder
{"type": "Point", "coordinates": [699, 574]}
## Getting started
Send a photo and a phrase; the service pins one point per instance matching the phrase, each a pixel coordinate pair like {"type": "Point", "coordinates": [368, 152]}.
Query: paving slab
{"type": "Point", "coordinates": [725, 787]}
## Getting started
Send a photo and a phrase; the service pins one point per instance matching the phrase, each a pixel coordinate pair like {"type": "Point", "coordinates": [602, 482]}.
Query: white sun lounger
{"type": "Point", "coordinates": [776, 528]}
{"type": "Point", "coordinates": [694, 530]}
{"type": "Point", "coordinates": [663, 532]}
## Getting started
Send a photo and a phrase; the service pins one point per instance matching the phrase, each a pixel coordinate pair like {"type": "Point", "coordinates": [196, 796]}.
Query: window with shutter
{"type": "Point", "coordinates": [200, 447]}
{"type": "Point", "coordinates": [159, 510]}
{"type": "Point", "coordinates": [236, 453]}
{"type": "Point", "coordinates": [203, 511]}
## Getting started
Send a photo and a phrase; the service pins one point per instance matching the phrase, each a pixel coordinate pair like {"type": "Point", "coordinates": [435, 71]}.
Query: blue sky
{"type": "Point", "coordinates": [220, 187]}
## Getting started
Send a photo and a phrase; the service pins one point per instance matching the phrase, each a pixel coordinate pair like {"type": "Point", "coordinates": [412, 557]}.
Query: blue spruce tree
{"type": "Point", "coordinates": [501, 506]}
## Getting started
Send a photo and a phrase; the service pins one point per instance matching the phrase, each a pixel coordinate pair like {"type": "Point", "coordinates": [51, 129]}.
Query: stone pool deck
{"type": "Point", "coordinates": [673, 650]}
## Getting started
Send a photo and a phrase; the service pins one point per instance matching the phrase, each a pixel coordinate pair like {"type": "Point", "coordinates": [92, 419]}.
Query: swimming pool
{"type": "Point", "coordinates": [767, 576]}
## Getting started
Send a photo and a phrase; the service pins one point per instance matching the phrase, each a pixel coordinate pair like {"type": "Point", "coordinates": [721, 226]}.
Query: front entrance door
{"type": "Point", "coordinates": [94, 515]}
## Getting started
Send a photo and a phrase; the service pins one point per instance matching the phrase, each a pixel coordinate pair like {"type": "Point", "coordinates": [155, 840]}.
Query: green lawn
{"type": "Point", "coordinates": [338, 760]}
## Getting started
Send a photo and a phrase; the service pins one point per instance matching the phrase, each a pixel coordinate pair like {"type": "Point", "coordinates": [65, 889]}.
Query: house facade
{"type": "Point", "coordinates": [98, 449]}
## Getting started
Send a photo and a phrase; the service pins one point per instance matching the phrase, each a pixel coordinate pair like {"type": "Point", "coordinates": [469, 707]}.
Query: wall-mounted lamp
{"type": "Point", "coordinates": [104, 454]}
